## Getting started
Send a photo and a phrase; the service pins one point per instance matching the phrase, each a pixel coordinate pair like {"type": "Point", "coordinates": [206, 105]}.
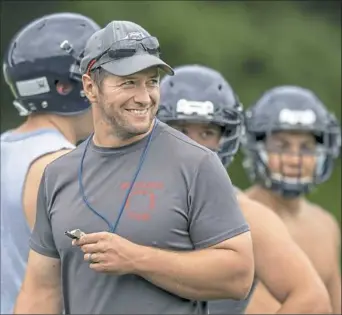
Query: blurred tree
{"type": "Point", "coordinates": [331, 9]}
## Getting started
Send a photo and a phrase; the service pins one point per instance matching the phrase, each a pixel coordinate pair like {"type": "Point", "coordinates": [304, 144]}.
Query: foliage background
{"type": "Point", "coordinates": [255, 44]}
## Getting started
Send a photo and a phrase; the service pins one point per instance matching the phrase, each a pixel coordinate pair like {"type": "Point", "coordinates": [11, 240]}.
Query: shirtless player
{"type": "Point", "coordinates": [290, 145]}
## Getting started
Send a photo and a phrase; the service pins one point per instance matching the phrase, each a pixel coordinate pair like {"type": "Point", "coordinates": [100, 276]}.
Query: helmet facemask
{"type": "Point", "coordinates": [257, 161]}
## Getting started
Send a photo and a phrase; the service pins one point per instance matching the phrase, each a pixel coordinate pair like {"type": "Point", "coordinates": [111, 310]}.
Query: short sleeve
{"type": "Point", "coordinates": [42, 240]}
{"type": "Point", "coordinates": [214, 212]}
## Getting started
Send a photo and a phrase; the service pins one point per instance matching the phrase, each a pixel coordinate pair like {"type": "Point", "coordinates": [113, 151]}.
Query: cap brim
{"type": "Point", "coordinates": [136, 63]}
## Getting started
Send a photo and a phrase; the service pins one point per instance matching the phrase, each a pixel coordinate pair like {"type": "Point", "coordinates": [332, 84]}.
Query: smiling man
{"type": "Point", "coordinates": [163, 229]}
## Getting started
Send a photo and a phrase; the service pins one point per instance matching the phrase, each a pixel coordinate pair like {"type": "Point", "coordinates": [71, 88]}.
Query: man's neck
{"type": "Point", "coordinates": [34, 123]}
{"type": "Point", "coordinates": [280, 205]}
{"type": "Point", "coordinates": [104, 137]}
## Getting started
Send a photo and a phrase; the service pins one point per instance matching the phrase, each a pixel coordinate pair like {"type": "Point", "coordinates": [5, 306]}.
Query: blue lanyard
{"type": "Point", "coordinates": [112, 227]}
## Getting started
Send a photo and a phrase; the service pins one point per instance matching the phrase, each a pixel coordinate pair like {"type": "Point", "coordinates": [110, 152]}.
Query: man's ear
{"type": "Point", "coordinates": [89, 87]}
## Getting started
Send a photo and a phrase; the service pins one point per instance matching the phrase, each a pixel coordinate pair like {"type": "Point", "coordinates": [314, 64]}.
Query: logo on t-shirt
{"type": "Point", "coordinates": [142, 199]}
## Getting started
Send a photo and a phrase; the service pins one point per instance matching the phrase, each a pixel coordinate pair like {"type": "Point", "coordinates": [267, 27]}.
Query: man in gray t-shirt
{"type": "Point", "coordinates": [163, 231]}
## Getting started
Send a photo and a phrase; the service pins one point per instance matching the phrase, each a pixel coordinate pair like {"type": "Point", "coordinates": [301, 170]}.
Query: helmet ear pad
{"type": "Point", "coordinates": [64, 88]}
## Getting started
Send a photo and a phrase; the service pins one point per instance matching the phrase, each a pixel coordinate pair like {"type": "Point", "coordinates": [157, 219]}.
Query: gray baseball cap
{"type": "Point", "coordinates": [122, 37]}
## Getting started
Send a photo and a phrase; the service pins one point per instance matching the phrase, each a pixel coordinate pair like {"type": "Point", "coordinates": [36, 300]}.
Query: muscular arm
{"type": "Point", "coordinates": [219, 272]}
{"type": "Point", "coordinates": [334, 282]}
{"type": "Point", "coordinates": [41, 289]}
{"type": "Point", "coordinates": [281, 266]}
{"type": "Point", "coordinates": [32, 182]}
{"type": "Point", "coordinates": [334, 289]}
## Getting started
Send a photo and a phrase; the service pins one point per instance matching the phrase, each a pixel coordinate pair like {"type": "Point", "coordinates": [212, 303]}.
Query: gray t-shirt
{"type": "Point", "coordinates": [182, 200]}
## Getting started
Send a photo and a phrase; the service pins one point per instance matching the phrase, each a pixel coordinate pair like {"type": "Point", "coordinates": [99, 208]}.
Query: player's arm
{"type": "Point", "coordinates": [32, 182]}
{"type": "Point", "coordinates": [282, 266]}
{"type": "Point", "coordinates": [334, 281]}
{"type": "Point", "coordinates": [221, 266]}
{"type": "Point", "coordinates": [334, 288]}
{"type": "Point", "coordinates": [41, 289]}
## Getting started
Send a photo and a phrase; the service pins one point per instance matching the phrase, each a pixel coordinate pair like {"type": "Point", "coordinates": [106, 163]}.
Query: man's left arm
{"type": "Point", "coordinates": [220, 272]}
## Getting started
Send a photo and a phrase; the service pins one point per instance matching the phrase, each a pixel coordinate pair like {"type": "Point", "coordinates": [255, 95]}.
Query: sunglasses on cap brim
{"type": "Point", "coordinates": [126, 48]}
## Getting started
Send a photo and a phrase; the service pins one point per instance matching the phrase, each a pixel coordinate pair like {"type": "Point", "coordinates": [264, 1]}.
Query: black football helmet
{"type": "Point", "coordinates": [198, 93]}
{"type": "Point", "coordinates": [44, 53]}
{"type": "Point", "coordinates": [289, 108]}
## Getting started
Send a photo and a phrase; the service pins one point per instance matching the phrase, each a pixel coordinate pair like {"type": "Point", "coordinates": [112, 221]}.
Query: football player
{"type": "Point", "coordinates": [41, 69]}
{"type": "Point", "coordinates": [290, 145]}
